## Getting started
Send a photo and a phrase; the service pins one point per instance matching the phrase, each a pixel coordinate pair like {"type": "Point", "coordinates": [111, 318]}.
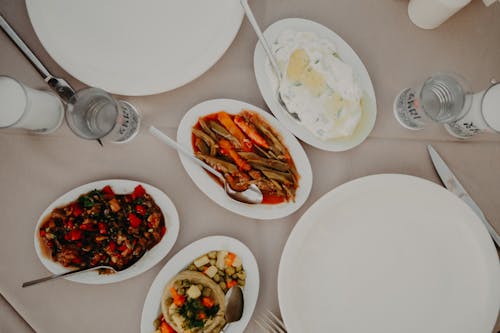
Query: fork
{"type": "Point", "coordinates": [269, 322]}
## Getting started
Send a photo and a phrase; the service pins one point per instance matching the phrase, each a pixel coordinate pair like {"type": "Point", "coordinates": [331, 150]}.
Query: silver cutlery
{"type": "Point", "coordinates": [270, 55]}
{"type": "Point", "coordinates": [56, 276]}
{"type": "Point", "coordinates": [451, 182]}
{"type": "Point", "coordinates": [234, 306]}
{"type": "Point", "coordinates": [252, 195]}
{"type": "Point", "coordinates": [269, 322]}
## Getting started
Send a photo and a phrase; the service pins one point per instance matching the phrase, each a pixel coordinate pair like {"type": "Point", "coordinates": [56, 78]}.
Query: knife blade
{"type": "Point", "coordinates": [451, 182]}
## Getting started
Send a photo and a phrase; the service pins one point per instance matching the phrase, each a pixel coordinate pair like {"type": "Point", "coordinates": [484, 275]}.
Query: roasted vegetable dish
{"type": "Point", "coordinates": [103, 228]}
{"type": "Point", "coordinates": [247, 150]}
{"type": "Point", "coordinates": [193, 301]}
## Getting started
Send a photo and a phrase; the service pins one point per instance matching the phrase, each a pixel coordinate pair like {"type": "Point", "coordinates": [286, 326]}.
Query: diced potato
{"type": "Point", "coordinates": [193, 292]}
{"type": "Point", "coordinates": [241, 283]}
{"type": "Point", "coordinates": [221, 259]}
{"type": "Point", "coordinates": [211, 271]}
{"type": "Point", "coordinates": [212, 254]}
{"type": "Point", "coordinates": [202, 261]}
{"type": "Point", "coordinates": [237, 262]}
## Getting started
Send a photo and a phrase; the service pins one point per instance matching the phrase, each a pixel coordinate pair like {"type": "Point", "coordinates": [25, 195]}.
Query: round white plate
{"type": "Point", "coordinates": [214, 191]}
{"type": "Point", "coordinates": [183, 258]}
{"type": "Point", "coordinates": [391, 254]}
{"type": "Point", "coordinates": [347, 54]}
{"type": "Point", "coordinates": [150, 258]}
{"type": "Point", "coordinates": [132, 47]}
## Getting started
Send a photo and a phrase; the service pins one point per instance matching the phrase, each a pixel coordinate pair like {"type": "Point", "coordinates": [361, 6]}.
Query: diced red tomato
{"type": "Point", "coordinates": [207, 302]}
{"type": "Point", "coordinates": [135, 222]}
{"type": "Point", "coordinates": [69, 224]}
{"type": "Point", "coordinates": [139, 192]}
{"type": "Point", "coordinates": [163, 230]}
{"type": "Point", "coordinates": [42, 233]}
{"type": "Point", "coordinates": [107, 190]}
{"type": "Point", "coordinates": [87, 227]}
{"type": "Point", "coordinates": [76, 260]}
{"type": "Point", "coordinates": [140, 209]}
{"type": "Point", "coordinates": [73, 235]}
{"type": "Point", "coordinates": [202, 315]}
{"type": "Point", "coordinates": [122, 248]}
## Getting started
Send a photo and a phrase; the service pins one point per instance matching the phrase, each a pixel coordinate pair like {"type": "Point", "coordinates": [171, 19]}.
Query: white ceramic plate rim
{"type": "Point", "coordinates": [122, 85]}
{"type": "Point", "coordinates": [183, 258]}
{"type": "Point", "coordinates": [347, 54]}
{"type": "Point", "coordinates": [304, 225]}
{"type": "Point", "coordinates": [215, 192]}
{"type": "Point", "coordinates": [150, 258]}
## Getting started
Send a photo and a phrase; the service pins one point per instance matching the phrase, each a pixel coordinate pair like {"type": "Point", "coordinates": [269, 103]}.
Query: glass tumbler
{"type": "Point", "coordinates": [92, 114]}
{"type": "Point", "coordinates": [24, 107]}
{"type": "Point", "coordinates": [442, 98]}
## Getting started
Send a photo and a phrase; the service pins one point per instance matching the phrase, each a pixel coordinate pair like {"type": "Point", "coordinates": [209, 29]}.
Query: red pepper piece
{"type": "Point", "coordinates": [139, 192]}
{"type": "Point", "coordinates": [87, 227]}
{"type": "Point", "coordinates": [76, 210]}
{"type": "Point", "coordinates": [107, 190]}
{"type": "Point", "coordinates": [122, 248]}
{"type": "Point", "coordinates": [102, 228]}
{"type": "Point", "coordinates": [42, 233]}
{"type": "Point", "coordinates": [135, 222]}
{"type": "Point", "coordinates": [140, 209]}
{"type": "Point", "coordinates": [112, 246]}
{"type": "Point", "coordinates": [73, 235]}
{"type": "Point", "coordinates": [207, 302]}
{"type": "Point", "coordinates": [163, 230]}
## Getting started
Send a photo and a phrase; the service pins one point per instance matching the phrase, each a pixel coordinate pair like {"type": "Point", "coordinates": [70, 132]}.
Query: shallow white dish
{"type": "Point", "coordinates": [183, 258]}
{"type": "Point", "coordinates": [215, 192]}
{"type": "Point", "coordinates": [131, 47]}
{"type": "Point", "coordinates": [150, 258]}
{"type": "Point", "coordinates": [389, 253]}
{"type": "Point", "coordinates": [347, 54]}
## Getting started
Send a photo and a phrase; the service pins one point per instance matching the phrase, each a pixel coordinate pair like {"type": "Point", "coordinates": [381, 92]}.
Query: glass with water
{"type": "Point", "coordinates": [93, 114]}
{"type": "Point", "coordinates": [443, 98]}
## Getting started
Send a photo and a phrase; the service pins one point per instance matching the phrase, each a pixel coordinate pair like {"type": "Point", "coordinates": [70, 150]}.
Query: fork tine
{"type": "Point", "coordinates": [269, 324]}
{"type": "Point", "coordinates": [277, 320]}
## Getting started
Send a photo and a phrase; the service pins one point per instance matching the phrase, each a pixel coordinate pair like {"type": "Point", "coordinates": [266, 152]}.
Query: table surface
{"type": "Point", "coordinates": [35, 170]}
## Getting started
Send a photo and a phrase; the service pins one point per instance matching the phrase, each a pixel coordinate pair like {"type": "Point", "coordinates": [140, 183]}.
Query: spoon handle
{"type": "Point", "coordinates": [56, 276]}
{"type": "Point", "coordinates": [262, 39]}
{"type": "Point", "coordinates": [62, 88]}
{"type": "Point", "coordinates": [173, 144]}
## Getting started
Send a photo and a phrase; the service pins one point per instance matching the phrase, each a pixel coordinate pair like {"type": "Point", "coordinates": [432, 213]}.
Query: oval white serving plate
{"type": "Point", "coordinates": [347, 54]}
{"type": "Point", "coordinates": [183, 258]}
{"type": "Point", "coordinates": [215, 192]}
{"type": "Point", "coordinates": [150, 258]}
{"type": "Point", "coordinates": [131, 47]}
{"type": "Point", "coordinates": [399, 253]}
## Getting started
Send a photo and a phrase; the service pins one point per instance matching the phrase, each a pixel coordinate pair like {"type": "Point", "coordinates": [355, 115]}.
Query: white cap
{"type": "Point", "coordinates": [489, 2]}
{"type": "Point", "coordinates": [491, 107]}
{"type": "Point", "coordinates": [12, 101]}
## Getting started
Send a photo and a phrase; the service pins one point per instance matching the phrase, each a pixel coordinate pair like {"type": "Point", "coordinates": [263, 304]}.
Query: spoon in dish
{"type": "Point", "coordinates": [56, 276]}
{"type": "Point", "coordinates": [234, 305]}
{"type": "Point", "coordinates": [252, 195]}
{"type": "Point", "coordinates": [270, 55]}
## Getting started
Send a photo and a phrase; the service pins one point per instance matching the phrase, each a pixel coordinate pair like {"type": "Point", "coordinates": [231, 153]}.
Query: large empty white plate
{"type": "Point", "coordinates": [389, 254]}
{"type": "Point", "coordinates": [133, 47]}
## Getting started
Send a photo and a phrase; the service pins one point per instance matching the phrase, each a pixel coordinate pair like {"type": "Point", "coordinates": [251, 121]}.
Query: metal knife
{"type": "Point", "coordinates": [451, 182]}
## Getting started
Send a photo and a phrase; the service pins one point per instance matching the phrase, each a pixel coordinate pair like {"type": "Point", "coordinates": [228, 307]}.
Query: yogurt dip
{"type": "Point", "coordinates": [316, 84]}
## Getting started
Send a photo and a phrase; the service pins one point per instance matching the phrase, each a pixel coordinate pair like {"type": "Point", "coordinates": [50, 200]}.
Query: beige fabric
{"type": "Point", "coordinates": [35, 170]}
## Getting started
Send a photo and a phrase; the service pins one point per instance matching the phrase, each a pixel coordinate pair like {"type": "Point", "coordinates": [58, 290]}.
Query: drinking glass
{"type": "Point", "coordinates": [24, 107]}
{"type": "Point", "coordinates": [92, 114]}
{"type": "Point", "coordinates": [442, 98]}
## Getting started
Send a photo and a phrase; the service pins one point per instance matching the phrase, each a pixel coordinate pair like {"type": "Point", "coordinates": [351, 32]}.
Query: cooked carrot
{"type": "Point", "coordinates": [231, 283]}
{"type": "Point", "coordinates": [230, 259]}
{"type": "Point", "coordinates": [250, 131]}
{"type": "Point", "coordinates": [166, 328]}
{"type": "Point", "coordinates": [178, 299]}
{"type": "Point", "coordinates": [228, 150]}
{"type": "Point", "coordinates": [228, 123]}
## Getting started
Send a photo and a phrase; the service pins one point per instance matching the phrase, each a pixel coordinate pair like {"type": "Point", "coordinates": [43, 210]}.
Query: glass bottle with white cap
{"type": "Point", "coordinates": [483, 115]}
{"type": "Point", "coordinates": [28, 108]}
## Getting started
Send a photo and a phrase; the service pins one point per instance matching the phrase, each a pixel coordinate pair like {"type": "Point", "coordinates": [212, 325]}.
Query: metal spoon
{"type": "Point", "coordinates": [56, 276]}
{"type": "Point", "coordinates": [252, 195]}
{"type": "Point", "coordinates": [234, 305]}
{"type": "Point", "coordinates": [270, 55]}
